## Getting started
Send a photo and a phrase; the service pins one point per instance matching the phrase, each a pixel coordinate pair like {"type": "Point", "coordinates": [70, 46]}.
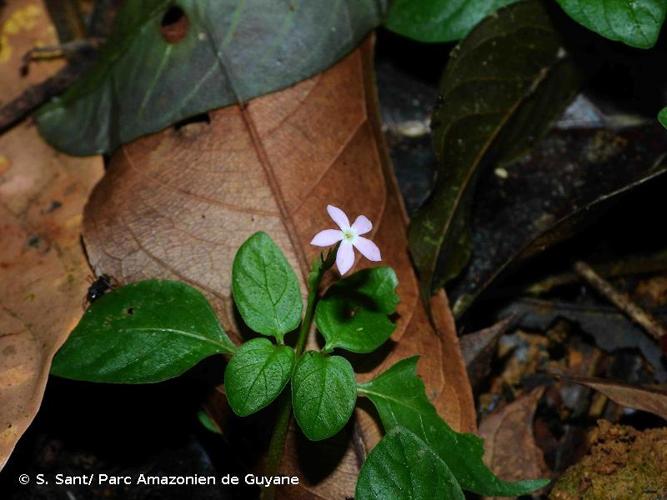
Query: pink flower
{"type": "Point", "coordinates": [349, 237]}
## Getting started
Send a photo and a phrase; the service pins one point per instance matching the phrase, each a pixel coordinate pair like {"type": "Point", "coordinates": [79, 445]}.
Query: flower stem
{"type": "Point", "coordinates": [279, 436]}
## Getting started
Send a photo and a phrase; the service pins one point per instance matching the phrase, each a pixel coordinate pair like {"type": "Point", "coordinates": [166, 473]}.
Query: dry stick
{"type": "Point", "coordinates": [621, 300]}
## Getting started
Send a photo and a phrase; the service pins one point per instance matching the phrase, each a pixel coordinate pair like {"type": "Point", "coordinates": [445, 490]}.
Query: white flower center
{"type": "Point", "coordinates": [350, 235]}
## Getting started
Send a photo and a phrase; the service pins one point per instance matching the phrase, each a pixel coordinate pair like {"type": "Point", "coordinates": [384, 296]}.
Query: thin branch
{"type": "Point", "coordinates": [621, 300]}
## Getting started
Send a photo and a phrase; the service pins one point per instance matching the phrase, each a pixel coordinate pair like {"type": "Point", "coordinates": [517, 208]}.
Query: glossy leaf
{"type": "Point", "coordinates": [662, 117]}
{"type": "Point", "coordinates": [400, 398]}
{"type": "Point", "coordinates": [165, 63]}
{"type": "Point", "coordinates": [353, 315]}
{"type": "Point", "coordinates": [402, 466]}
{"type": "Point", "coordinates": [634, 22]}
{"type": "Point", "coordinates": [144, 332]}
{"type": "Point", "coordinates": [265, 287]}
{"type": "Point", "coordinates": [439, 20]}
{"type": "Point", "coordinates": [323, 394]}
{"type": "Point", "coordinates": [257, 374]}
{"type": "Point", "coordinates": [502, 87]}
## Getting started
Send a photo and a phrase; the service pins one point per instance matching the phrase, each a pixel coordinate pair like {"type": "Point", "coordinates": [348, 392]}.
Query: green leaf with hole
{"type": "Point", "coordinates": [634, 22]}
{"type": "Point", "coordinates": [662, 117]}
{"type": "Point", "coordinates": [323, 394]}
{"type": "Point", "coordinates": [353, 314]}
{"type": "Point", "coordinates": [257, 374]}
{"type": "Point", "coordinates": [502, 87]}
{"type": "Point", "coordinates": [265, 288]}
{"type": "Point", "coordinates": [403, 466]}
{"type": "Point", "coordinates": [164, 63]}
{"type": "Point", "coordinates": [144, 332]}
{"type": "Point", "coordinates": [439, 20]}
{"type": "Point", "coordinates": [400, 399]}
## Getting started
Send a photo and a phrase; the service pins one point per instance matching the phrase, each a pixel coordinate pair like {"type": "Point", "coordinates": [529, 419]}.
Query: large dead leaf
{"type": "Point", "coordinates": [511, 429]}
{"type": "Point", "coordinates": [43, 271]}
{"type": "Point", "coordinates": [179, 203]}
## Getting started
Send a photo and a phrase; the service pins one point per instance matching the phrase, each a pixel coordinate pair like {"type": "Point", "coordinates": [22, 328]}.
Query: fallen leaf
{"type": "Point", "coordinates": [167, 62]}
{"type": "Point", "coordinates": [567, 181]}
{"type": "Point", "coordinates": [509, 430]}
{"type": "Point", "coordinates": [43, 270]}
{"type": "Point", "coordinates": [648, 399]}
{"type": "Point", "coordinates": [502, 87]}
{"type": "Point", "coordinates": [179, 203]}
{"type": "Point", "coordinates": [479, 347]}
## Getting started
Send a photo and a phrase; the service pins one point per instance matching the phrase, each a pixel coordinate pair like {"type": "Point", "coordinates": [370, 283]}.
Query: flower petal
{"type": "Point", "coordinates": [344, 257]}
{"type": "Point", "coordinates": [339, 217]}
{"type": "Point", "coordinates": [327, 238]}
{"type": "Point", "coordinates": [362, 225]}
{"type": "Point", "coordinates": [368, 249]}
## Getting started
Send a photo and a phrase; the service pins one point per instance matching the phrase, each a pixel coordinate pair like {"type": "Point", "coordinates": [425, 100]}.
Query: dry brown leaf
{"type": "Point", "coordinates": [43, 270]}
{"type": "Point", "coordinates": [648, 399]}
{"type": "Point", "coordinates": [479, 347]}
{"type": "Point", "coordinates": [510, 448]}
{"type": "Point", "coordinates": [179, 203]}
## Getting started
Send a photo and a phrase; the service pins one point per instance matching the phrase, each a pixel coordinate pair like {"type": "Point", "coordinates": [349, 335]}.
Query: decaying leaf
{"type": "Point", "coordinates": [169, 61]}
{"type": "Point", "coordinates": [567, 181]}
{"type": "Point", "coordinates": [43, 270]}
{"type": "Point", "coordinates": [641, 398]}
{"type": "Point", "coordinates": [510, 448]}
{"type": "Point", "coordinates": [479, 347]}
{"type": "Point", "coordinates": [178, 204]}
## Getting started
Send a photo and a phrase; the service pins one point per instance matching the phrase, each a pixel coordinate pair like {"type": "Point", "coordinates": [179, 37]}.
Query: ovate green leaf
{"type": "Point", "coordinates": [662, 117]}
{"type": "Point", "coordinates": [439, 20]}
{"type": "Point", "coordinates": [168, 60]}
{"type": "Point", "coordinates": [257, 374]}
{"type": "Point", "coordinates": [323, 394]}
{"type": "Point", "coordinates": [145, 332]}
{"type": "Point", "coordinates": [353, 314]}
{"type": "Point", "coordinates": [265, 288]}
{"type": "Point", "coordinates": [399, 396]}
{"type": "Point", "coordinates": [634, 22]}
{"type": "Point", "coordinates": [502, 87]}
{"type": "Point", "coordinates": [402, 466]}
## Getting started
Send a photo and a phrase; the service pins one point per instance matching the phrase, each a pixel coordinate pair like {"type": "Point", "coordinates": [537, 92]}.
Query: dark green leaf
{"type": "Point", "coordinates": [265, 288]}
{"type": "Point", "coordinates": [402, 466]}
{"type": "Point", "coordinates": [399, 396]}
{"type": "Point", "coordinates": [353, 313]}
{"type": "Point", "coordinates": [563, 186]}
{"type": "Point", "coordinates": [634, 22]}
{"type": "Point", "coordinates": [662, 117]}
{"type": "Point", "coordinates": [144, 332]}
{"type": "Point", "coordinates": [439, 20]}
{"type": "Point", "coordinates": [503, 85]}
{"type": "Point", "coordinates": [231, 51]}
{"type": "Point", "coordinates": [323, 394]}
{"type": "Point", "coordinates": [257, 374]}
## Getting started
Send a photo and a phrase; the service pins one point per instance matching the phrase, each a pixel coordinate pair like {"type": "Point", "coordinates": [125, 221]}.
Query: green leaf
{"type": "Point", "coordinates": [144, 332]}
{"type": "Point", "coordinates": [502, 87]}
{"type": "Point", "coordinates": [353, 314]}
{"type": "Point", "coordinates": [208, 423]}
{"type": "Point", "coordinates": [265, 288]}
{"type": "Point", "coordinates": [323, 394]}
{"type": "Point", "coordinates": [439, 20]}
{"type": "Point", "coordinates": [232, 51]}
{"type": "Point", "coordinates": [399, 396]}
{"type": "Point", "coordinates": [257, 374]}
{"type": "Point", "coordinates": [662, 117]}
{"type": "Point", "coordinates": [402, 466]}
{"type": "Point", "coordinates": [634, 22]}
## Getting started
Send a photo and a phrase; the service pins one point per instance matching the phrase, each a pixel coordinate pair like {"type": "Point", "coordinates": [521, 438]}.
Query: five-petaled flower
{"type": "Point", "coordinates": [349, 237]}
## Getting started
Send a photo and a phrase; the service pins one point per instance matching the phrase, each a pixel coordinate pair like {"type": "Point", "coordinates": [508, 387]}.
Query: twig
{"type": "Point", "coordinates": [621, 300]}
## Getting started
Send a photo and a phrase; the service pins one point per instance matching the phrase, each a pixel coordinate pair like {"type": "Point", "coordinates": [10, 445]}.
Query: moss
{"type": "Point", "coordinates": [622, 463]}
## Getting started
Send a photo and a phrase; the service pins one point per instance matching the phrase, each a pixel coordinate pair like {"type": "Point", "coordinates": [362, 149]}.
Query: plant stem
{"type": "Point", "coordinates": [279, 437]}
